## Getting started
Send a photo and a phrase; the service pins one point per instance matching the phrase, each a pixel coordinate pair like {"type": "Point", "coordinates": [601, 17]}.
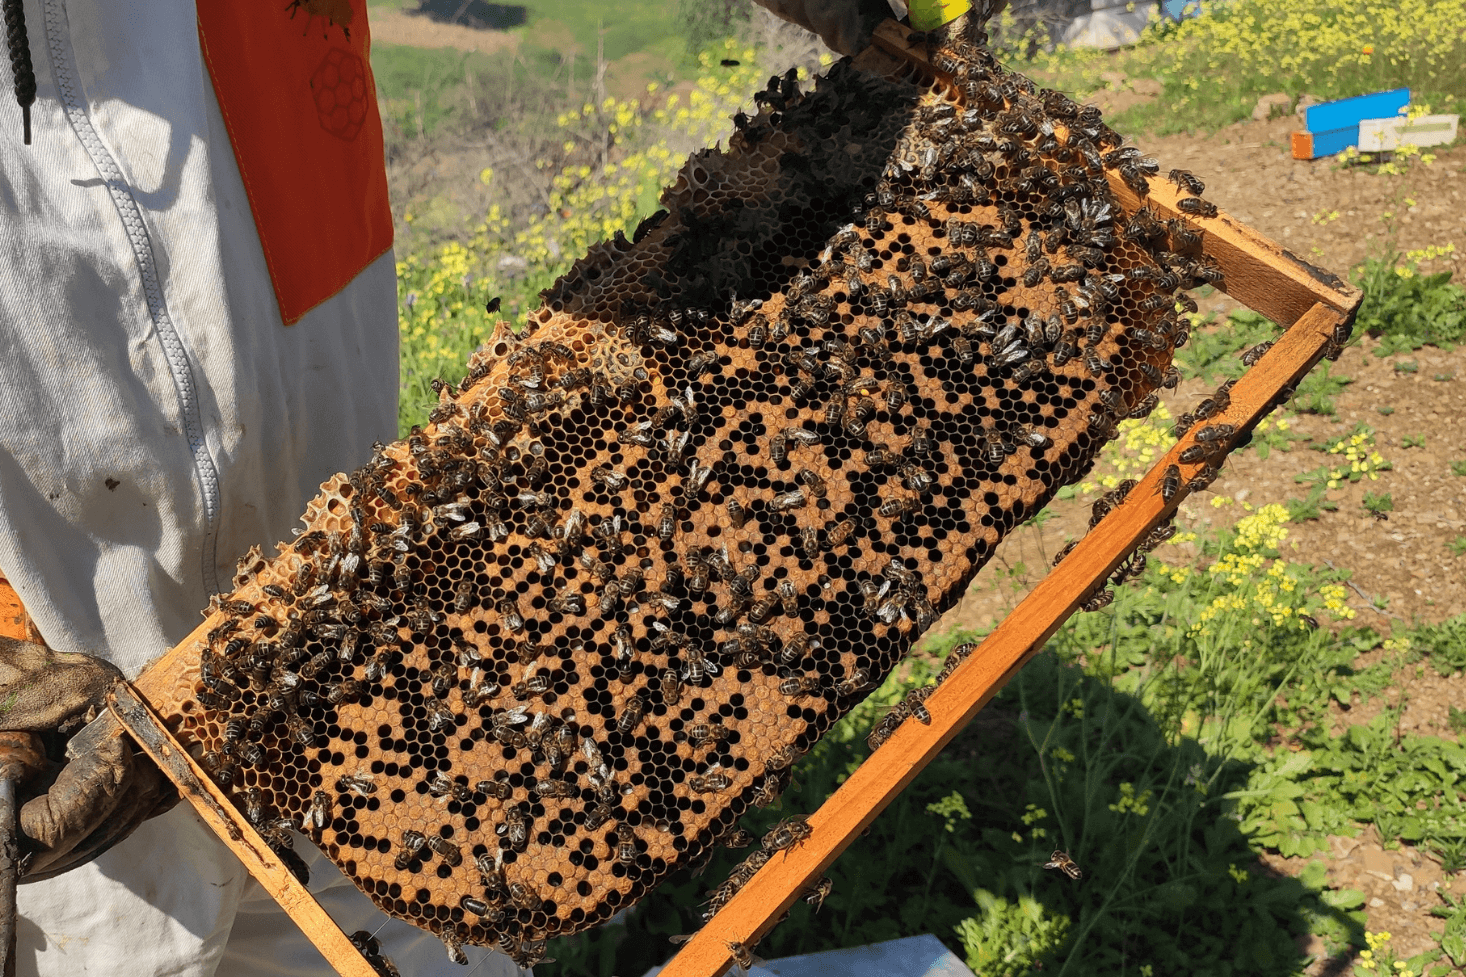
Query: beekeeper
{"type": "Point", "coordinates": [199, 327]}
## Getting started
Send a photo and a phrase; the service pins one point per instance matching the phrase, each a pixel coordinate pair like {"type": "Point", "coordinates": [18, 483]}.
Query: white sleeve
{"type": "Point", "coordinates": [156, 417]}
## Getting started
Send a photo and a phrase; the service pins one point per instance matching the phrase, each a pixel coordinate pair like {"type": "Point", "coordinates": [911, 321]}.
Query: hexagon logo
{"type": "Point", "coordinates": [339, 89]}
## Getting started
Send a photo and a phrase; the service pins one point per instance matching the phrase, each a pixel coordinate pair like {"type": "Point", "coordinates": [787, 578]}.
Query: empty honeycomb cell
{"type": "Point", "coordinates": [550, 646]}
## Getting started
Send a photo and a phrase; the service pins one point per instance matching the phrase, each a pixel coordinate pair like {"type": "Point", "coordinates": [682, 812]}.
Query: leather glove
{"type": "Point", "coordinates": [844, 25]}
{"type": "Point", "coordinates": [96, 788]}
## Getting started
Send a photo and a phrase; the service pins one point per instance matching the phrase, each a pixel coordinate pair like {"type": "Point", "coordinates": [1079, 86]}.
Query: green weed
{"type": "Point", "coordinates": [1443, 645]}
{"type": "Point", "coordinates": [1458, 468]}
{"type": "Point", "coordinates": [1457, 546]}
{"type": "Point", "coordinates": [1318, 389]}
{"type": "Point", "coordinates": [1378, 502]}
{"type": "Point", "coordinates": [1317, 503]}
{"type": "Point", "coordinates": [1213, 349]}
{"type": "Point", "coordinates": [1353, 458]}
{"type": "Point", "coordinates": [1406, 309]}
{"type": "Point", "coordinates": [1413, 441]}
{"type": "Point", "coordinates": [1407, 366]}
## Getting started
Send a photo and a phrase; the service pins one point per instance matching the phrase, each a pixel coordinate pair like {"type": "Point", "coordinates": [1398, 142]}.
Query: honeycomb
{"type": "Point", "coordinates": [547, 649]}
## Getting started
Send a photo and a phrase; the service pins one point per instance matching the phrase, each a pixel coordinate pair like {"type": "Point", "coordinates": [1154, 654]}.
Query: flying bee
{"type": "Point", "coordinates": [1061, 861]}
{"type": "Point", "coordinates": [1196, 207]}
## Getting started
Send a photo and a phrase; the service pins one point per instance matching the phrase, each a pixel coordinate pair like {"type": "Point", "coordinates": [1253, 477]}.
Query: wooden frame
{"type": "Point", "coordinates": [1310, 302]}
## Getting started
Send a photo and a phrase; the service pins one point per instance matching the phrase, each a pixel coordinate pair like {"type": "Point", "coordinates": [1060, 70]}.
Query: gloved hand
{"type": "Point", "coordinates": [844, 25]}
{"type": "Point", "coordinates": [96, 792]}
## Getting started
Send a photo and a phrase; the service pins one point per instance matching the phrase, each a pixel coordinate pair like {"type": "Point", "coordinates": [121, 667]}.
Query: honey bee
{"type": "Point", "coordinates": [566, 604]}
{"type": "Point", "coordinates": [1251, 356]}
{"type": "Point", "coordinates": [609, 478]}
{"type": "Point", "coordinates": [671, 687]}
{"type": "Point", "coordinates": [793, 499]}
{"type": "Point", "coordinates": [516, 829]}
{"type": "Point", "coordinates": [361, 784]}
{"type": "Point", "coordinates": [625, 845]}
{"type": "Point", "coordinates": [1061, 861]}
{"type": "Point", "coordinates": [1098, 601]}
{"type": "Point", "coordinates": [411, 849]}
{"type": "Point", "coordinates": [857, 681]}
{"type": "Point", "coordinates": [700, 733]}
{"type": "Point", "coordinates": [742, 955]}
{"type": "Point", "coordinates": [1202, 479]}
{"type": "Point", "coordinates": [709, 783]}
{"type": "Point", "coordinates": [800, 686]}
{"type": "Point", "coordinates": [523, 896]}
{"type": "Point", "coordinates": [786, 834]}
{"type": "Point", "coordinates": [819, 892]}
{"type": "Point", "coordinates": [1170, 483]}
{"type": "Point", "coordinates": [554, 788]}
{"type": "Point", "coordinates": [631, 714]}
{"type": "Point", "coordinates": [1196, 207]}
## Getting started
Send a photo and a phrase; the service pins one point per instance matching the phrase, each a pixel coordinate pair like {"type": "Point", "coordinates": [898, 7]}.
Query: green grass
{"type": "Point", "coordinates": [1378, 503]}
{"type": "Point", "coordinates": [1407, 310]}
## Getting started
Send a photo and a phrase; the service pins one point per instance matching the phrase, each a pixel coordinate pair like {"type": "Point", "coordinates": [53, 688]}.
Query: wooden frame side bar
{"type": "Point", "coordinates": [750, 914]}
{"type": "Point", "coordinates": [225, 821]}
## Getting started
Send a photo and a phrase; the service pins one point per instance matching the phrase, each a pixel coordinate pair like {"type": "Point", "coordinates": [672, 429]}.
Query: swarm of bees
{"type": "Point", "coordinates": [548, 648]}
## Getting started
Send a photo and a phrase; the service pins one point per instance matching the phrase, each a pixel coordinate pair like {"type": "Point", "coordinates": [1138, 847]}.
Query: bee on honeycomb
{"type": "Point", "coordinates": [527, 661]}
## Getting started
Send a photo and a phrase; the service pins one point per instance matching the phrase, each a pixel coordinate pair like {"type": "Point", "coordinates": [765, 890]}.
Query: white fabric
{"type": "Point", "coordinates": [156, 419]}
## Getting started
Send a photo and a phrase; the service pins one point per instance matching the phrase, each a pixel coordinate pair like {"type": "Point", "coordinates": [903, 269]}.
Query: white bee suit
{"type": "Point", "coordinates": [156, 420]}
